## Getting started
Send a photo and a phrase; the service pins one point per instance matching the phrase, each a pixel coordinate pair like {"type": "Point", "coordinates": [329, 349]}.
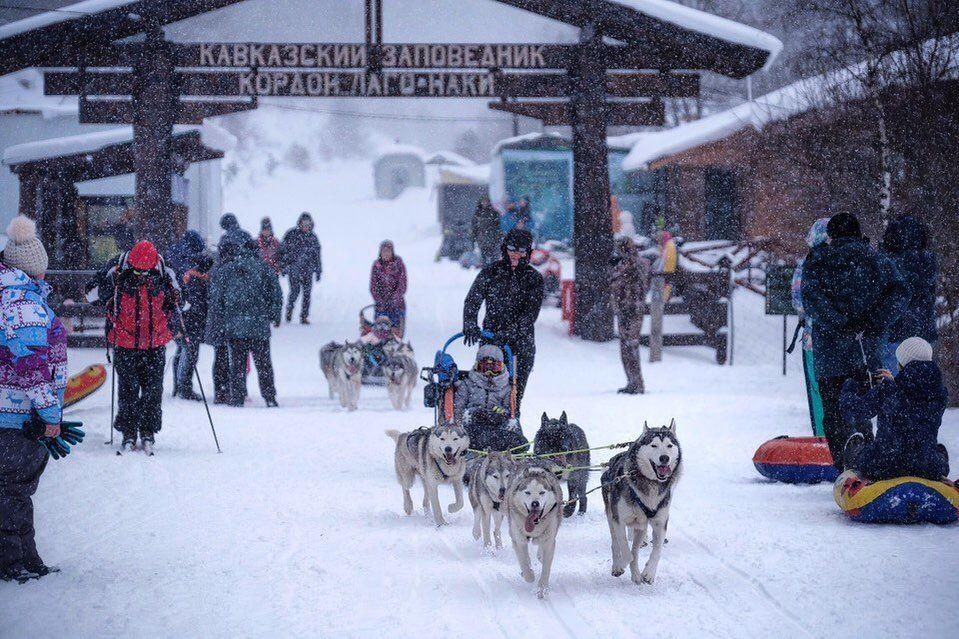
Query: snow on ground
{"type": "Point", "coordinates": [297, 530]}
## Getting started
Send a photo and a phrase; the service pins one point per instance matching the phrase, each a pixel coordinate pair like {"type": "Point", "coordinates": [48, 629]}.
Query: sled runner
{"type": "Point", "coordinates": [795, 460]}
{"type": "Point", "coordinates": [84, 384]}
{"type": "Point", "coordinates": [903, 500]}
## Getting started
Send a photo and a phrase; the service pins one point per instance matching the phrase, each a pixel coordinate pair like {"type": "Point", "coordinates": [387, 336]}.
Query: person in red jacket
{"type": "Point", "coordinates": [143, 296]}
{"type": "Point", "coordinates": [388, 286]}
{"type": "Point", "coordinates": [268, 244]}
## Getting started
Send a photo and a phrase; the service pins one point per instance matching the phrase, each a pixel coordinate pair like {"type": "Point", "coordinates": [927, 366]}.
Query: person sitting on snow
{"type": "Point", "coordinates": [910, 408]}
{"type": "Point", "coordinates": [481, 402]}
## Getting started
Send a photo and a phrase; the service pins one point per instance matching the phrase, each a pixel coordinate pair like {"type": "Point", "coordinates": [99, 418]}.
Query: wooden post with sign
{"type": "Point", "coordinates": [657, 308]}
{"type": "Point", "coordinates": [592, 225]}
{"type": "Point", "coordinates": [154, 112]}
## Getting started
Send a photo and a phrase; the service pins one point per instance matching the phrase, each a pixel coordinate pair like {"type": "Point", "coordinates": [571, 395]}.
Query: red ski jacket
{"type": "Point", "coordinates": [141, 308]}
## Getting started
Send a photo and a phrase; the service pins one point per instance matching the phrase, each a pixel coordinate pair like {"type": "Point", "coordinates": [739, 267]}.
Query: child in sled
{"type": "Point", "coordinates": [482, 403]}
{"type": "Point", "coordinates": [910, 408]}
{"type": "Point", "coordinates": [381, 332]}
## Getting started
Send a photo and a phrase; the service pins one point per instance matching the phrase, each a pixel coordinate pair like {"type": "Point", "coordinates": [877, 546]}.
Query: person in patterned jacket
{"type": "Point", "coordinates": [33, 377]}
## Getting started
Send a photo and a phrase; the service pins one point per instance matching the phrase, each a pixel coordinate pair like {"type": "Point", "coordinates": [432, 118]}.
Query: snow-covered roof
{"type": "Point", "coordinates": [775, 106]}
{"type": "Point", "coordinates": [22, 92]}
{"type": "Point", "coordinates": [708, 24]}
{"type": "Point", "coordinates": [528, 137]}
{"type": "Point", "coordinates": [475, 174]}
{"type": "Point", "coordinates": [211, 135]}
{"type": "Point", "coordinates": [402, 149]}
{"type": "Point", "coordinates": [56, 16]}
{"type": "Point", "coordinates": [448, 158]}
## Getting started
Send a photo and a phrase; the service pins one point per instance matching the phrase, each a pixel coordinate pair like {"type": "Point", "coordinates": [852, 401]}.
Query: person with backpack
{"type": "Point", "coordinates": [196, 283]}
{"type": "Point", "coordinates": [244, 299]}
{"type": "Point", "coordinates": [143, 301]}
{"type": "Point", "coordinates": [33, 366]}
{"type": "Point", "coordinates": [301, 261]}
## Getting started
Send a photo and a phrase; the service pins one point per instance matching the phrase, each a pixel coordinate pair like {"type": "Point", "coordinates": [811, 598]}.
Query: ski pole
{"type": "Point", "coordinates": [865, 361]}
{"type": "Point", "coordinates": [113, 394]}
{"type": "Point", "coordinates": [199, 382]}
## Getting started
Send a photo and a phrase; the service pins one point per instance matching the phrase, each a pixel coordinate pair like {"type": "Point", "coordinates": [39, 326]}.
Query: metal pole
{"type": "Point", "coordinates": [784, 345]}
{"type": "Point", "coordinates": [657, 308]}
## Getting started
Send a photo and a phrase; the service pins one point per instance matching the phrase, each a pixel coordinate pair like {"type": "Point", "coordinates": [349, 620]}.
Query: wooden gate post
{"type": "Point", "coordinates": [592, 226]}
{"type": "Point", "coordinates": [154, 112]}
{"type": "Point", "coordinates": [657, 308]}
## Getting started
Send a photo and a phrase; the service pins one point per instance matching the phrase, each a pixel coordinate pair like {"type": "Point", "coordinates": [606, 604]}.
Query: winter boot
{"type": "Point", "coordinates": [39, 568]}
{"type": "Point", "coordinates": [190, 395]}
{"type": "Point", "coordinates": [630, 390]}
{"type": "Point", "coordinates": [18, 575]}
{"type": "Point", "coordinates": [147, 444]}
{"type": "Point", "coordinates": [305, 320]}
{"type": "Point", "coordinates": [129, 445]}
{"type": "Point", "coordinates": [271, 403]}
{"type": "Point", "coordinates": [850, 453]}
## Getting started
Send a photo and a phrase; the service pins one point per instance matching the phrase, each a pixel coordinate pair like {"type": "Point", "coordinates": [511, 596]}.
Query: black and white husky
{"type": "Point", "coordinates": [437, 456]}
{"type": "Point", "coordinates": [637, 490]}
{"type": "Point", "coordinates": [534, 506]}
{"type": "Point", "coordinates": [489, 478]}
{"type": "Point", "coordinates": [342, 364]}
{"type": "Point", "coordinates": [401, 372]}
{"type": "Point", "coordinates": [560, 436]}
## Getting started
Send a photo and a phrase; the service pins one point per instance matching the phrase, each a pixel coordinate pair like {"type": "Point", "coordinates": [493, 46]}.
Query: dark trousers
{"type": "Point", "coordinates": [298, 283]}
{"type": "Point", "coordinates": [632, 364]}
{"type": "Point", "coordinates": [175, 365]}
{"type": "Point", "coordinates": [260, 349]}
{"type": "Point", "coordinates": [21, 463]}
{"type": "Point", "coordinates": [221, 373]}
{"type": "Point", "coordinates": [139, 391]}
{"type": "Point", "coordinates": [836, 429]}
{"type": "Point", "coordinates": [526, 354]}
{"type": "Point", "coordinates": [189, 354]}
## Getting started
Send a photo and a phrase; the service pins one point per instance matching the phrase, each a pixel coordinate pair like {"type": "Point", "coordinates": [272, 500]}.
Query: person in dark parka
{"type": "Point", "coordinates": [513, 293]}
{"type": "Point", "coordinates": [388, 286]}
{"type": "Point", "coordinates": [905, 242]}
{"type": "Point", "coordinates": [244, 299]}
{"type": "Point", "coordinates": [232, 233]}
{"type": "Point", "coordinates": [910, 408]}
{"type": "Point", "coordinates": [486, 230]}
{"type": "Point", "coordinates": [182, 257]}
{"type": "Point", "coordinates": [196, 284]}
{"type": "Point", "coordinates": [852, 293]}
{"type": "Point", "coordinates": [301, 260]}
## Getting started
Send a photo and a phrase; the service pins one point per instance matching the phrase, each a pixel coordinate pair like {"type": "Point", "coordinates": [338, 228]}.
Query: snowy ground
{"type": "Point", "coordinates": [297, 530]}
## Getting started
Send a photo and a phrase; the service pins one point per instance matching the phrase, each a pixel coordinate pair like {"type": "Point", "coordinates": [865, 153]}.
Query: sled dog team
{"type": "Point", "coordinates": [342, 365]}
{"type": "Point", "coordinates": [526, 490]}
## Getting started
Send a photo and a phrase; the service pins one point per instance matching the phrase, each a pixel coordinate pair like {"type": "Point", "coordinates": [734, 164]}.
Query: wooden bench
{"type": "Point", "coordinates": [84, 321]}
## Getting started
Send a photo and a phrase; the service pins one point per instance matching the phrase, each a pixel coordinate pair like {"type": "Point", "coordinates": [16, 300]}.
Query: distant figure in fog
{"type": "Point", "coordinates": [268, 244]}
{"type": "Point", "coordinates": [486, 231]}
{"type": "Point", "coordinates": [301, 261]}
{"type": "Point", "coordinates": [388, 286]}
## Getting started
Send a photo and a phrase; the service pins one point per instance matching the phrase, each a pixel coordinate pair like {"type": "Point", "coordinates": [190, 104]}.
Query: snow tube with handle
{"type": "Point", "coordinates": [795, 460]}
{"type": "Point", "coordinates": [84, 384]}
{"type": "Point", "coordinates": [903, 500]}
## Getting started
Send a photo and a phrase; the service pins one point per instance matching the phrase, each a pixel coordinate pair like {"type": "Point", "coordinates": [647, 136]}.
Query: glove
{"type": "Point", "coordinates": [471, 335]}
{"type": "Point", "coordinates": [56, 446]}
{"type": "Point", "coordinates": [71, 433]}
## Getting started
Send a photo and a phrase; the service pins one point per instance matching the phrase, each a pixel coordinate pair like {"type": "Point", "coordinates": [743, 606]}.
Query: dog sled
{"type": "Point", "coordinates": [441, 380]}
{"type": "Point", "coordinates": [375, 334]}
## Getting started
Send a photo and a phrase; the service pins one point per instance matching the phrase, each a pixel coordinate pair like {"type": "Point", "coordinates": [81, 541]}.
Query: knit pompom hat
{"type": "Point", "coordinates": [24, 250]}
{"type": "Point", "coordinates": [913, 349]}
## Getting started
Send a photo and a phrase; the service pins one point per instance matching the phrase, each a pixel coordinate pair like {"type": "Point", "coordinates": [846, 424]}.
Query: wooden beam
{"type": "Point", "coordinates": [188, 111]}
{"type": "Point", "coordinates": [651, 113]}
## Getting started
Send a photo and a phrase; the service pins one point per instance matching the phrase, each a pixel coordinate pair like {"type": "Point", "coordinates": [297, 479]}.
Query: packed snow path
{"type": "Point", "coordinates": [297, 530]}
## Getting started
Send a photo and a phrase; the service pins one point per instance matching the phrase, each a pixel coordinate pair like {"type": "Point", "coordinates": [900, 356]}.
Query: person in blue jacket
{"type": "Point", "coordinates": [910, 408]}
{"type": "Point", "coordinates": [852, 293]}
{"type": "Point", "coordinates": [817, 235]}
{"type": "Point", "coordinates": [905, 242]}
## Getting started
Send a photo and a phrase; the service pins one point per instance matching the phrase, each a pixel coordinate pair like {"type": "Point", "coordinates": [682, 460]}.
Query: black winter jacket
{"type": "Point", "coordinates": [300, 254]}
{"type": "Point", "coordinates": [910, 412]}
{"type": "Point", "coordinates": [513, 298]}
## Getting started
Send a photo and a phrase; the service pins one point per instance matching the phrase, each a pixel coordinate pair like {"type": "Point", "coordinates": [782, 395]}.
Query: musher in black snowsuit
{"type": "Point", "coordinates": [513, 293]}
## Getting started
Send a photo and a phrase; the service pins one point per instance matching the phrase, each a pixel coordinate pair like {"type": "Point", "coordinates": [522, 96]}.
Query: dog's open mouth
{"type": "Point", "coordinates": [532, 519]}
{"type": "Point", "coordinates": [450, 458]}
{"type": "Point", "coordinates": [662, 471]}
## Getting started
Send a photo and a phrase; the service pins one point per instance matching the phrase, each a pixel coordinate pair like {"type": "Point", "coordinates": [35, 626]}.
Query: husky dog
{"type": "Point", "coordinates": [637, 489]}
{"type": "Point", "coordinates": [395, 347]}
{"type": "Point", "coordinates": [557, 435]}
{"type": "Point", "coordinates": [342, 364]}
{"type": "Point", "coordinates": [401, 373]}
{"type": "Point", "coordinates": [438, 456]}
{"type": "Point", "coordinates": [534, 507]}
{"type": "Point", "coordinates": [489, 477]}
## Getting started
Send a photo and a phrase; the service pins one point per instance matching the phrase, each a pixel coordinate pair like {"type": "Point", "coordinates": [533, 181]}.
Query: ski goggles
{"type": "Point", "coordinates": [489, 366]}
{"type": "Point", "coordinates": [516, 249]}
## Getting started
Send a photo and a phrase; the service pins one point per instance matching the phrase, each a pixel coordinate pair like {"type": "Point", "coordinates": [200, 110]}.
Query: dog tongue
{"type": "Point", "coordinates": [450, 458]}
{"type": "Point", "coordinates": [532, 519]}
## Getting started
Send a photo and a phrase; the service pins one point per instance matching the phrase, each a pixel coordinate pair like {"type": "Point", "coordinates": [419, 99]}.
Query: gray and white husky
{"type": "Point", "coordinates": [637, 491]}
{"type": "Point", "coordinates": [489, 479]}
{"type": "Point", "coordinates": [438, 456]}
{"type": "Point", "coordinates": [535, 511]}
{"type": "Point", "coordinates": [396, 347]}
{"type": "Point", "coordinates": [401, 373]}
{"type": "Point", "coordinates": [560, 436]}
{"type": "Point", "coordinates": [342, 364]}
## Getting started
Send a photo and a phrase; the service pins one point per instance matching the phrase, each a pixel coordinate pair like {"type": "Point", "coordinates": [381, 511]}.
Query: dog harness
{"type": "Point", "coordinates": [650, 512]}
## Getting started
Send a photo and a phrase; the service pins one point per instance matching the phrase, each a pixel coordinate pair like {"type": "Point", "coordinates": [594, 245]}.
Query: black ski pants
{"type": "Point", "coordinates": [260, 349]}
{"type": "Point", "coordinates": [21, 463]}
{"type": "Point", "coordinates": [189, 354]}
{"type": "Point", "coordinates": [139, 391]}
{"type": "Point", "coordinates": [299, 282]}
{"type": "Point", "coordinates": [836, 429]}
{"type": "Point", "coordinates": [221, 373]}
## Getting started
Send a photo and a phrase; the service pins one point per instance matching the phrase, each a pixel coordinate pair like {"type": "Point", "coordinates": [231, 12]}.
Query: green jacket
{"type": "Point", "coordinates": [244, 299]}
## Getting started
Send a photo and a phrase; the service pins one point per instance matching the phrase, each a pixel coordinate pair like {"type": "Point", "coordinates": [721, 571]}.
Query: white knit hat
{"type": "Point", "coordinates": [24, 249]}
{"type": "Point", "coordinates": [914, 349]}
